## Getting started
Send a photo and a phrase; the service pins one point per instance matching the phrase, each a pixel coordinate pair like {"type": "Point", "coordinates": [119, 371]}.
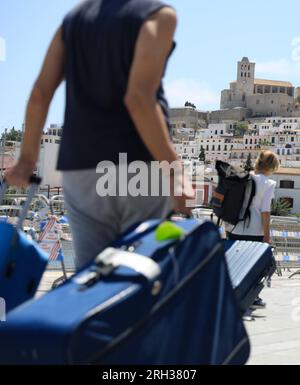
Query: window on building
{"type": "Point", "coordinates": [257, 101]}
{"type": "Point", "coordinates": [249, 75]}
{"type": "Point", "coordinates": [219, 148]}
{"type": "Point", "coordinates": [290, 201]}
{"type": "Point", "coordinates": [242, 74]}
{"type": "Point", "coordinates": [287, 184]}
{"type": "Point", "coordinates": [57, 142]}
{"type": "Point", "coordinates": [46, 141]}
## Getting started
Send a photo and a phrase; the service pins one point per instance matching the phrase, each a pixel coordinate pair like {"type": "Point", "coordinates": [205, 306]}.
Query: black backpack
{"type": "Point", "coordinates": [234, 194]}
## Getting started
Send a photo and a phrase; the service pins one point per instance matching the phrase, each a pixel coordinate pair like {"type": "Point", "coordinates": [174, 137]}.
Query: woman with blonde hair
{"type": "Point", "coordinates": [258, 226]}
{"type": "Point", "coordinates": [257, 229]}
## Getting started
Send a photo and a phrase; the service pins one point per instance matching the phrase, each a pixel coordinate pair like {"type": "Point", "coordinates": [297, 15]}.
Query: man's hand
{"type": "Point", "coordinates": [182, 194]}
{"type": "Point", "coordinates": [19, 175]}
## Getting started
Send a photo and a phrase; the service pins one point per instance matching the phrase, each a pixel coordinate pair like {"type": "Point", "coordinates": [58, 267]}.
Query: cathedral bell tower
{"type": "Point", "coordinates": [245, 77]}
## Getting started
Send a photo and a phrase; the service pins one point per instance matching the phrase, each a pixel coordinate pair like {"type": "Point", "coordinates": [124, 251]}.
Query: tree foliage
{"type": "Point", "coordinates": [248, 164]}
{"type": "Point", "coordinates": [202, 156]}
{"type": "Point", "coordinates": [281, 208]}
{"type": "Point", "coordinates": [241, 128]}
{"type": "Point", "coordinates": [12, 135]}
{"type": "Point", "coordinates": [189, 104]}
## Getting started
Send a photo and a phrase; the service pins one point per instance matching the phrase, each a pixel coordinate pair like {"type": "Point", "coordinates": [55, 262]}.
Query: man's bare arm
{"type": "Point", "coordinates": [152, 49]}
{"type": "Point", "coordinates": [50, 77]}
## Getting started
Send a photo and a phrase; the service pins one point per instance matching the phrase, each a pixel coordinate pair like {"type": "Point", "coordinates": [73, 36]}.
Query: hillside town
{"type": "Point", "coordinates": [254, 115]}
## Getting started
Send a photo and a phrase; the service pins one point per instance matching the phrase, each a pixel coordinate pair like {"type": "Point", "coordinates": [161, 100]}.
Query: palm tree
{"type": "Point", "coordinates": [281, 208]}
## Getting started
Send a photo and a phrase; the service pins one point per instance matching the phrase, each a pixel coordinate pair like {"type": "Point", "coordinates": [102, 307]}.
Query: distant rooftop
{"type": "Point", "coordinates": [276, 83]}
{"type": "Point", "coordinates": [289, 171]}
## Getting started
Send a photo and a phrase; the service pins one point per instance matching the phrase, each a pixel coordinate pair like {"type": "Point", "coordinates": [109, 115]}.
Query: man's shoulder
{"type": "Point", "coordinates": [79, 8]}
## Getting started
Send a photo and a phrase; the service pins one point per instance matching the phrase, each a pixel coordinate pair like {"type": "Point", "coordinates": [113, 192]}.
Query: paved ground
{"type": "Point", "coordinates": [275, 333]}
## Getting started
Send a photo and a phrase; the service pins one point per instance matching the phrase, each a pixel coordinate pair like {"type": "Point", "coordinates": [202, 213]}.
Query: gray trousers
{"type": "Point", "coordinates": [97, 221]}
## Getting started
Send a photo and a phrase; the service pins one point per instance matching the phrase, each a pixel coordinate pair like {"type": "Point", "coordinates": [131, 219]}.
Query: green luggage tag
{"type": "Point", "coordinates": [168, 231]}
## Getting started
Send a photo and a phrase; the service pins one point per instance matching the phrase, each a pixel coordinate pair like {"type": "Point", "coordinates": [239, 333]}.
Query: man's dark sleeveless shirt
{"type": "Point", "coordinates": [100, 38]}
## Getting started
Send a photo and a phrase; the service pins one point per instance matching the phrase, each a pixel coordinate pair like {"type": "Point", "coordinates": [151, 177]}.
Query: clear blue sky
{"type": "Point", "coordinates": [212, 35]}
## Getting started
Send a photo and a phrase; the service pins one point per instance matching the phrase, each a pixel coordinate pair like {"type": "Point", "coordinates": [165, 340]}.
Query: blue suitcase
{"type": "Point", "coordinates": [22, 263]}
{"type": "Point", "coordinates": [177, 307]}
{"type": "Point", "coordinates": [250, 264]}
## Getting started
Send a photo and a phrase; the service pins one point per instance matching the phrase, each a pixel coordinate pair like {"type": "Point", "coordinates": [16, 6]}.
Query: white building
{"type": "Point", "coordinates": [187, 150]}
{"type": "Point", "coordinates": [46, 167]}
{"type": "Point", "coordinates": [288, 187]}
{"type": "Point", "coordinates": [48, 157]}
{"type": "Point", "coordinates": [218, 129]}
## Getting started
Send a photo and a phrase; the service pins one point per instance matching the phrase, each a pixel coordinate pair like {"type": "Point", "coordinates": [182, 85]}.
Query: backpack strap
{"type": "Point", "coordinates": [247, 215]}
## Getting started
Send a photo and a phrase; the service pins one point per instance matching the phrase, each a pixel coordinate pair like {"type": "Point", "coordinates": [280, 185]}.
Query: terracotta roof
{"type": "Point", "coordinates": [276, 83]}
{"type": "Point", "coordinates": [265, 82]}
{"type": "Point", "coordinates": [289, 171]}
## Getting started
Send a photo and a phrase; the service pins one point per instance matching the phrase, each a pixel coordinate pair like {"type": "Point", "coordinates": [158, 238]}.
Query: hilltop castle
{"type": "Point", "coordinates": [261, 97]}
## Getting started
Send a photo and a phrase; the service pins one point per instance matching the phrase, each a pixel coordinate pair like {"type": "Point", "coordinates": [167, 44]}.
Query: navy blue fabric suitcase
{"type": "Point", "coordinates": [177, 307]}
{"type": "Point", "coordinates": [249, 264]}
{"type": "Point", "coordinates": [22, 263]}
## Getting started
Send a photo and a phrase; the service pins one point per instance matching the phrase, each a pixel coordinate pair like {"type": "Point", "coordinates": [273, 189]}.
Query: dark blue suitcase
{"type": "Point", "coordinates": [177, 307]}
{"type": "Point", "coordinates": [250, 264]}
{"type": "Point", "coordinates": [22, 263]}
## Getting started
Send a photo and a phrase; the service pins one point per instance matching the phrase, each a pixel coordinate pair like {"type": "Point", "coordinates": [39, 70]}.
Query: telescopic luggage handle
{"type": "Point", "coordinates": [34, 181]}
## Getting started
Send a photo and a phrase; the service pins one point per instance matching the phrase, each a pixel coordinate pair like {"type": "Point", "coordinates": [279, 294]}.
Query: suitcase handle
{"type": "Point", "coordinates": [34, 181]}
{"type": "Point", "coordinates": [174, 213]}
